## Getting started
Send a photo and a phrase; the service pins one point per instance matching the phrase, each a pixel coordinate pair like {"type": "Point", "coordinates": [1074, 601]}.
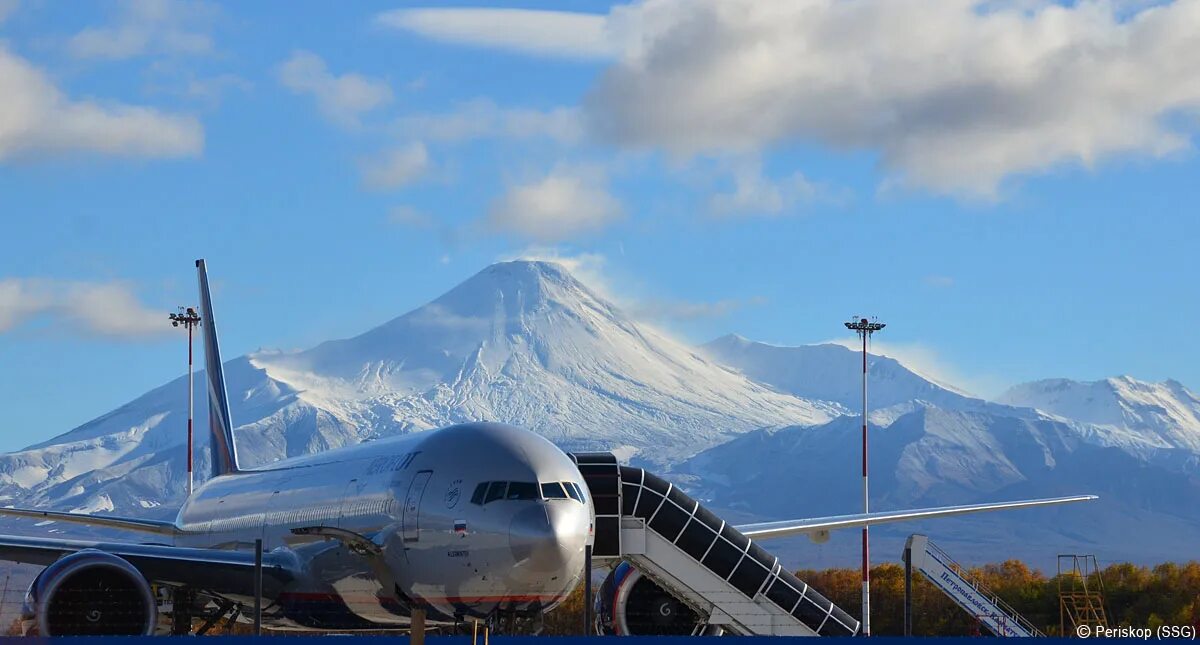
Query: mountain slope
{"type": "Point", "coordinates": [833, 373]}
{"type": "Point", "coordinates": [934, 457]}
{"type": "Point", "coordinates": [131, 460]}
{"type": "Point", "coordinates": [520, 342]}
{"type": "Point", "coordinates": [1161, 415]}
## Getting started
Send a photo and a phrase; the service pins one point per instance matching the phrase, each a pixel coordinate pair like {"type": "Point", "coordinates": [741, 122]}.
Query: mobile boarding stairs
{"type": "Point", "coordinates": [954, 581]}
{"type": "Point", "coordinates": [707, 564]}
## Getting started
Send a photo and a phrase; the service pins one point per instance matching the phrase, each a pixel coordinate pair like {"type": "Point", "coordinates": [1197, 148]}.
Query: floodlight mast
{"type": "Point", "coordinates": [188, 317]}
{"type": "Point", "coordinates": [865, 328]}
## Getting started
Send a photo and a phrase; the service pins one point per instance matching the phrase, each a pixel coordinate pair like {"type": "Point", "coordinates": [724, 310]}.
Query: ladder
{"type": "Point", "coordinates": [1080, 593]}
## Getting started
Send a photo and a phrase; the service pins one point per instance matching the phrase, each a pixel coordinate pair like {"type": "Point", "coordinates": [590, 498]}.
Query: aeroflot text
{"type": "Point", "coordinates": [1144, 633]}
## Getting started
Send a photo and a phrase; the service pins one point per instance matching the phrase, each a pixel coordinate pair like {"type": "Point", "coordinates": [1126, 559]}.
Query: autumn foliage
{"type": "Point", "coordinates": [1134, 595]}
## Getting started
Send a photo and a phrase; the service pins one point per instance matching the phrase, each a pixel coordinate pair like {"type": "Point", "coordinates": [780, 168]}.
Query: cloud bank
{"type": "Point", "coordinates": [954, 96]}
{"type": "Point", "coordinates": [107, 309]}
{"type": "Point", "coordinates": [37, 119]}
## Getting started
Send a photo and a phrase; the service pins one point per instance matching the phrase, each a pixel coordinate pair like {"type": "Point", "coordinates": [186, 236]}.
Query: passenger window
{"type": "Point", "coordinates": [553, 490]}
{"type": "Point", "coordinates": [522, 490]}
{"type": "Point", "coordinates": [480, 491]}
{"type": "Point", "coordinates": [495, 492]}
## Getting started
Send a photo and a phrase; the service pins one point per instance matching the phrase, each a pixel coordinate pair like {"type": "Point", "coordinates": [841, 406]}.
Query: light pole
{"type": "Point", "coordinates": [188, 317]}
{"type": "Point", "coordinates": [865, 328]}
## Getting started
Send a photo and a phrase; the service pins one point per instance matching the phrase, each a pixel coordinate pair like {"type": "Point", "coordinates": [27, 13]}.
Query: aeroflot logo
{"type": "Point", "coordinates": [392, 463]}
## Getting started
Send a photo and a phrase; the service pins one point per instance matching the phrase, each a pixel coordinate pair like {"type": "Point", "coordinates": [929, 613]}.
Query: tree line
{"type": "Point", "coordinates": [1139, 596]}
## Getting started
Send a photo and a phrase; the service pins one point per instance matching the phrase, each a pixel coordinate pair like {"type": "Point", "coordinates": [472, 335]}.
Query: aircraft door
{"type": "Point", "coordinates": [411, 518]}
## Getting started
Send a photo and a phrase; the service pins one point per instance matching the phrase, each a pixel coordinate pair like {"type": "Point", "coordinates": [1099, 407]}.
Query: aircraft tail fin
{"type": "Point", "coordinates": [222, 450]}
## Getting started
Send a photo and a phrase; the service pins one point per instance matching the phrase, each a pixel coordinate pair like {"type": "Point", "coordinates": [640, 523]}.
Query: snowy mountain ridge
{"type": "Point", "coordinates": [1163, 415]}
{"type": "Point", "coordinates": [830, 372]}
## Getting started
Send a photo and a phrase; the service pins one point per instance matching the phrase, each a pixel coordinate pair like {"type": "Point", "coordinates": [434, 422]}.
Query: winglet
{"type": "Point", "coordinates": [222, 450]}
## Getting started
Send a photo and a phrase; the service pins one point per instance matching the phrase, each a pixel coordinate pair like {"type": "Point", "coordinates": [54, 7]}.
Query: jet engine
{"type": "Point", "coordinates": [91, 593]}
{"type": "Point", "coordinates": [629, 603]}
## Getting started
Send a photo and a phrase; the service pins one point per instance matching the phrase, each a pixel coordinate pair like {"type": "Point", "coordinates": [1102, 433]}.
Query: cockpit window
{"type": "Point", "coordinates": [522, 490]}
{"type": "Point", "coordinates": [495, 492]}
{"type": "Point", "coordinates": [488, 492]}
{"type": "Point", "coordinates": [480, 491]}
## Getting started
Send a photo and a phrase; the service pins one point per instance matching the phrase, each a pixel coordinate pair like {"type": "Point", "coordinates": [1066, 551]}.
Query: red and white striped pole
{"type": "Point", "coordinates": [865, 328]}
{"type": "Point", "coordinates": [188, 317]}
{"type": "Point", "coordinates": [866, 540]}
{"type": "Point", "coordinates": [191, 409]}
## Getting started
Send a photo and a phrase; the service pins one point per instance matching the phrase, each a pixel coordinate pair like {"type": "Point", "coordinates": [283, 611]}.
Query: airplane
{"type": "Point", "coordinates": [469, 522]}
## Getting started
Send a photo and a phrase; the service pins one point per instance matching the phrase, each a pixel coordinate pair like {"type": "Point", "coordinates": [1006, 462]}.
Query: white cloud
{"type": "Point", "coordinates": [481, 118]}
{"type": "Point", "coordinates": [148, 27]}
{"type": "Point", "coordinates": [941, 281]}
{"type": "Point", "coordinates": [342, 99]}
{"type": "Point", "coordinates": [397, 167]}
{"type": "Point", "coordinates": [955, 96]}
{"type": "Point", "coordinates": [755, 194]}
{"type": "Point", "coordinates": [108, 309]}
{"type": "Point", "coordinates": [37, 119]}
{"type": "Point", "coordinates": [558, 33]}
{"type": "Point", "coordinates": [567, 202]}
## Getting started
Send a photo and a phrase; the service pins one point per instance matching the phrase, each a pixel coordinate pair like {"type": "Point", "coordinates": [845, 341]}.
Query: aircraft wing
{"type": "Point", "coordinates": [216, 570]}
{"type": "Point", "coordinates": [821, 525]}
{"type": "Point", "coordinates": [123, 523]}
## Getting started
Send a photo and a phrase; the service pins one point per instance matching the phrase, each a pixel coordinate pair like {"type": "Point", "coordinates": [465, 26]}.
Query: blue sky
{"type": "Point", "coordinates": [1014, 209]}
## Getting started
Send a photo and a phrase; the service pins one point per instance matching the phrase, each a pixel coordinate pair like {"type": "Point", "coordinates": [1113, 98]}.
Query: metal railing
{"type": "Point", "coordinates": [1010, 614]}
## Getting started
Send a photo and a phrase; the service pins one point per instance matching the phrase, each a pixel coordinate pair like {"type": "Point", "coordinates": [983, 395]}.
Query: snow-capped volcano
{"type": "Point", "coordinates": [528, 344]}
{"type": "Point", "coordinates": [520, 342]}
{"type": "Point", "coordinates": [1164, 415]}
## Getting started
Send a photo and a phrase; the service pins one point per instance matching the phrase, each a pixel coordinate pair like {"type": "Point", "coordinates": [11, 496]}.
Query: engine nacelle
{"type": "Point", "coordinates": [629, 603]}
{"type": "Point", "coordinates": [91, 593]}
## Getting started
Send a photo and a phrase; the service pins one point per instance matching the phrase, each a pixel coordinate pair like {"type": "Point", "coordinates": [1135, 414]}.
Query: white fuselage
{"type": "Point", "coordinates": [390, 524]}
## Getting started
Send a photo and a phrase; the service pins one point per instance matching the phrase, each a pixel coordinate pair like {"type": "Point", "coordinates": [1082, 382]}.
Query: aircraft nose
{"type": "Point", "coordinates": [548, 538]}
